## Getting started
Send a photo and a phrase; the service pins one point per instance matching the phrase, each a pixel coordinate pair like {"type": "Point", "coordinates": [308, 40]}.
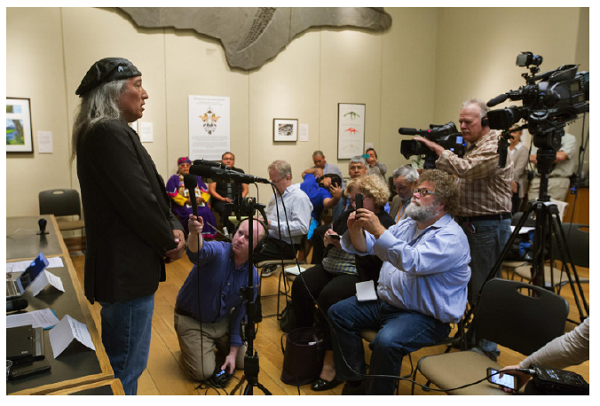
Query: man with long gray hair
{"type": "Point", "coordinates": [131, 232]}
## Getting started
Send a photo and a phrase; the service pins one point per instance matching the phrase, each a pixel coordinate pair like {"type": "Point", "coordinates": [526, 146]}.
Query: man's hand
{"type": "Point", "coordinates": [177, 252]}
{"type": "Point", "coordinates": [437, 148]}
{"type": "Point", "coordinates": [229, 364]}
{"type": "Point", "coordinates": [336, 191]}
{"type": "Point", "coordinates": [370, 222]}
{"type": "Point", "coordinates": [328, 240]}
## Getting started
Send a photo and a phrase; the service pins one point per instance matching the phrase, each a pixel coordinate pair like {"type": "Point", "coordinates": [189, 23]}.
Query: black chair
{"type": "Point", "coordinates": [65, 205]}
{"type": "Point", "coordinates": [516, 315]}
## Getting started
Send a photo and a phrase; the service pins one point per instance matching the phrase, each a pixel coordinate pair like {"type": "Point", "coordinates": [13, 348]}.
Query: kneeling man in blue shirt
{"type": "Point", "coordinates": [422, 286]}
{"type": "Point", "coordinates": [209, 308]}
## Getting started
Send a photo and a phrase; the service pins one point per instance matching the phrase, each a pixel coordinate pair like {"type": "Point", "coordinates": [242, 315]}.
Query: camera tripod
{"type": "Point", "coordinates": [251, 301]}
{"type": "Point", "coordinates": [547, 226]}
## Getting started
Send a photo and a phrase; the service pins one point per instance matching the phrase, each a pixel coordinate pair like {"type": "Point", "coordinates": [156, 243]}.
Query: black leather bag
{"type": "Point", "coordinates": [302, 356]}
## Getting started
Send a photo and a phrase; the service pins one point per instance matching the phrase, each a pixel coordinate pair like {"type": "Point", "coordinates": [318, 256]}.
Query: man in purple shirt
{"type": "Point", "coordinates": [209, 308]}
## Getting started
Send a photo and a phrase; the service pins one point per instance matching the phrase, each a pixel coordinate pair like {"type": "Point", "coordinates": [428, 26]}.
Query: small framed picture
{"type": "Point", "coordinates": [285, 129]}
{"type": "Point", "coordinates": [18, 125]}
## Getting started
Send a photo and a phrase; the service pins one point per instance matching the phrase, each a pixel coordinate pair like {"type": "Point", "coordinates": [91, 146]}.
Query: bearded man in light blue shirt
{"type": "Point", "coordinates": [422, 286]}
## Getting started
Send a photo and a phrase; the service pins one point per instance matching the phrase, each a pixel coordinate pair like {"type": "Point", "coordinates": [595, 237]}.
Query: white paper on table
{"type": "Point", "coordinates": [365, 291]}
{"type": "Point", "coordinates": [523, 230]}
{"type": "Point", "coordinates": [63, 334]}
{"type": "Point", "coordinates": [55, 262]}
{"type": "Point", "coordinates": [43, 280]}
{"type": "Point", "coordinates": [44, 318]}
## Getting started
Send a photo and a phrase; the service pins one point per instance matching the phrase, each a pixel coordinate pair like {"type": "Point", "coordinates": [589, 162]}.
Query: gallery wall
{"type": "Point", "coordinates": [413, 74]}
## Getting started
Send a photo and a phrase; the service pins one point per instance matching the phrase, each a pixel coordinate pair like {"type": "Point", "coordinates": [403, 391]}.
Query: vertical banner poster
{"type": "Point", "coordinates": [351, 130]}
{"type": "Point", "coordinates": [209, 127]}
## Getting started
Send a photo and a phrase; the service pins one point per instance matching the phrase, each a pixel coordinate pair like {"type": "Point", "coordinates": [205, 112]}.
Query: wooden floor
{"type": "Point", "coordinates": [164, 375]}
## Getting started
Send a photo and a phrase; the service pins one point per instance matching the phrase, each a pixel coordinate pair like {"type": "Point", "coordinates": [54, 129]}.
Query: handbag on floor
{"type": "Point", "coordinates": [302, 356]}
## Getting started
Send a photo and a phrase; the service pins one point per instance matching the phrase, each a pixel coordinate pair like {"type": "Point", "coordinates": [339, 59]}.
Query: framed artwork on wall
{"type": "Point", "coordinates": [285, 129]}
{"type": "Point", "coordinates": [18, 125]}
{"type": "Point", "coordinates": [351, 130]}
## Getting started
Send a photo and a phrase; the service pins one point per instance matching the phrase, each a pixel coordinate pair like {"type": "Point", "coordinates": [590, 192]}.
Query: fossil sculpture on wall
{"type": "Point", "coordinates": [253, 35]}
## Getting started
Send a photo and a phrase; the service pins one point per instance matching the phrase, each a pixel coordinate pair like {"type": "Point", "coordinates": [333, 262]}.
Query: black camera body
{"type": "Point", "coordinates": [551, 100]}
{"type": "Point", "coordinates": [445, 135]}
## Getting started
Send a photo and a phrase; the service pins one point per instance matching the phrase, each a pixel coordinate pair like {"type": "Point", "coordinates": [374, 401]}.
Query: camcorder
{"type": "Point", "coordinates": [551, 100]}
{"type": "Point", "coordinates": [445, 135]}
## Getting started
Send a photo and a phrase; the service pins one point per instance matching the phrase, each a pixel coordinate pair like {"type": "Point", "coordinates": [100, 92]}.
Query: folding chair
{"type": "Point", "coordinates": [64, 204]}
{"type": "Point", "coordinates": [504, 315]}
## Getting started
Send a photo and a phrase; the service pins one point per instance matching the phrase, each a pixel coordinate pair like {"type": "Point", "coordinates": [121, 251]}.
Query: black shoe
{"type": "Point", "coordinates": [321, 384]}
{"type": "Point", "coordinates": [268, 271]}
{"type": "Point", "coordinates": [355, 388]}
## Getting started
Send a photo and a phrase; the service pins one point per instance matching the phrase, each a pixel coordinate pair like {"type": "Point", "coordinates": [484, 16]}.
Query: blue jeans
{"type": "Point", "coordinates": [400, 332]}
{"type": "Point", "coordinates": [126, 330]}
{"type": "Point", "coordinates": [487, 239]}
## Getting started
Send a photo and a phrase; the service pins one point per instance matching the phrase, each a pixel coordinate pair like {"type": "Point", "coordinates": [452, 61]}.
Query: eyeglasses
{"type": "Point", "coordinates": [400, 188]}
{"type": "Point", "coordinates": [423, 192]}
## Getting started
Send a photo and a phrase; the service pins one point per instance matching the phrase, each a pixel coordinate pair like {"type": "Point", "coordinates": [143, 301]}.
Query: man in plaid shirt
{"type": "Point", "coordinates": [485, 194]}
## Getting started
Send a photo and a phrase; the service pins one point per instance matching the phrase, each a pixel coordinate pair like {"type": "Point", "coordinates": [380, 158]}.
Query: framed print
{"type": "Point", "coordinates": [285, 129]}
{"type": "Point", "coordinates": [351, 130]}
{"type": "Point", "coordinates": [18, 125]}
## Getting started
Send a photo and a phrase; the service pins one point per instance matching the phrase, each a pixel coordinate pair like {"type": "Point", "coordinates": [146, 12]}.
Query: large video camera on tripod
{"type": "Point", "coordinates": [551, 100]}
{"type": "Point", "coordinates": [445, 135]}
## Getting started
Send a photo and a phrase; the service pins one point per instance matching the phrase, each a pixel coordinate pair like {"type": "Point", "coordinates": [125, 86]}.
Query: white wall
{"type": "Point", "coordinates": [414, 74]}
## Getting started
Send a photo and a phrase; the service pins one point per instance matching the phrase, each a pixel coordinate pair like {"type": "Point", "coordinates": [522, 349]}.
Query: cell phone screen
{"type": "Point", "coordinates": [508, 381]}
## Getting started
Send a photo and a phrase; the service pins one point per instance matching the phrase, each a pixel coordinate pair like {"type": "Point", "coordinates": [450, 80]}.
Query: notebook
{"type": "Point", "coordinates": [16, 287]}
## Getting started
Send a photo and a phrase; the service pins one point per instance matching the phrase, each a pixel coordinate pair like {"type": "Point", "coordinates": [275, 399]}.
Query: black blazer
{"type": "Point", "coordinates": [128, 222]}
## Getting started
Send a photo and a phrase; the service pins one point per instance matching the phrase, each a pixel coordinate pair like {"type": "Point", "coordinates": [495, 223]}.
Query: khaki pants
{"type": "Point", "coordinates": [557, 188]}
{"type": "Point", "coordinates": [198, 345]}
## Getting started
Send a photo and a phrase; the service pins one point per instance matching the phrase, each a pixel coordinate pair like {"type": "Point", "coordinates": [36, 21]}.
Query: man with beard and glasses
{"type": "Point", "coordinates": [422, 286]}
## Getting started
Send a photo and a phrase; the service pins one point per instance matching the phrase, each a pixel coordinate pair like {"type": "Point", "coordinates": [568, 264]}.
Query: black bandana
{"type": "Point", "coordinates": [106, 70]}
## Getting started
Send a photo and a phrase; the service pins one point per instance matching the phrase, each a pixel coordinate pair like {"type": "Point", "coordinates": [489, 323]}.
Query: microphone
{"type": "Point", "coordinates": [209, 163]}
{"type": "Point", "coordinates": [12, 305]}
{"type": "Point", "coordinates": [42, 224]}
{"type": "Point", "coordinates": [190, 183]}
{"type": "Point", "coordinates": [497, 100]}
{"type": "Point", "coordinates": [225, 174]}
{"type": "Point", "coordinates": [408, 131]}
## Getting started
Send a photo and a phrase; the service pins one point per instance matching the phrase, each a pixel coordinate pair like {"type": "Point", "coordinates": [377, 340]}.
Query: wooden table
{"type": "Point", "coordinates": [77, 369]}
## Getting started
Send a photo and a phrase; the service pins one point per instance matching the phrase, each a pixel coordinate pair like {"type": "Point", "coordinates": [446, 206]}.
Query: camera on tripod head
{"type": "Point", "coordinates": [551, 100]}
{"type": "Point", "coordinates": [445, 135]}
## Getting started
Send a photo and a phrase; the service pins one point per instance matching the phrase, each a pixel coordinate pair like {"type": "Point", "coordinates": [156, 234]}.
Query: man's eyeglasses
{"type": "Point", "coordinates": [400, 188]}
{"type": "Point", "coordinates": [423, 192]}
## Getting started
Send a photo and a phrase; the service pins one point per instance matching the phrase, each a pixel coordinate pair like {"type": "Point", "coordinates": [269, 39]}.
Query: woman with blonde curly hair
{"type": "Point", "coordinates": [335, 278]}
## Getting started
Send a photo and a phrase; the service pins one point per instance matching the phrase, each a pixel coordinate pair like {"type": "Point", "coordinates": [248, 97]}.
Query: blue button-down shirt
{"type": "Point", "coordinates": [428, 274]}
{"type": "Point", "coordinates": [218, 289]}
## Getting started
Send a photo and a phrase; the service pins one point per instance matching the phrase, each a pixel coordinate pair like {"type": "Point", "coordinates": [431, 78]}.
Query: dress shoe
{"type": "Point", "coordinates": [321, 384]}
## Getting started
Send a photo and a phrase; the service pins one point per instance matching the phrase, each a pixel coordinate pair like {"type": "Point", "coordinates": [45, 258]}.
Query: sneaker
{"type": "Point", "coordinates": [268, 271]}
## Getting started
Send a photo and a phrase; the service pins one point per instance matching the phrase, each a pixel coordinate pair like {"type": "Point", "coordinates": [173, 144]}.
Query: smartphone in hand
{"type": "Point", "coordinates": [507, 381]}
{"type": "Point", "coordinates": [358, 201]}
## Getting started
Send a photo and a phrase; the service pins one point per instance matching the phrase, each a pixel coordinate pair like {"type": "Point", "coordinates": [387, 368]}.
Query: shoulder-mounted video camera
{"type": "Point", "coordinates": [445, 135]}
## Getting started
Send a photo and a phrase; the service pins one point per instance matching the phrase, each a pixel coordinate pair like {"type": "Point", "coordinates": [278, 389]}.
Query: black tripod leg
{"type": "Point", "coordinates": [570, 269]}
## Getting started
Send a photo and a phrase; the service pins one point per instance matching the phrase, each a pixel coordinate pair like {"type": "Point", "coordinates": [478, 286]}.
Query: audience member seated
{"type": "Point", "coordinates": [327, 168]}
{"type": "Point", "coordinates": [324, 192]}
{"type": "Point", "coordinates": [406, 179]}
{"type": "Point", "coordinates": [375, 167]}
{"type": "Point", "coordinates": [572, 348]}
{"type": "Point", "coordinates": [335, 278]}
{"type": "Point", "coordinates": [223, 192]}
{"type": "Point", "coordinates": [520, 157]}
{"type": "Point", "coordinates": [209, 308]}
{"type": "Point", "coordinates": [356, 168]}
{"type": "Point", "coordinates": [181, 204]}
{"type": "Point", "coordinates": [422, 286]}
{"type": "Point", "coordinates": [290, 230]}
